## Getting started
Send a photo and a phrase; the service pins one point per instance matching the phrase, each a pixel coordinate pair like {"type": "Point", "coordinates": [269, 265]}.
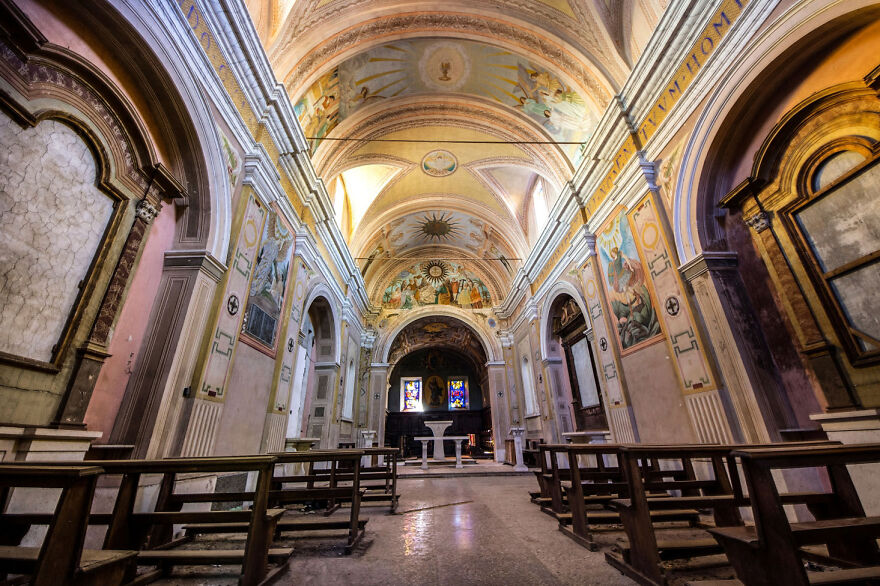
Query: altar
{"type": "Point", "coordinates": [439, 456]}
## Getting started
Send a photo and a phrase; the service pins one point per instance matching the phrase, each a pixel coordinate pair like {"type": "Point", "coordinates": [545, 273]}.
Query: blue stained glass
{"type": "Point", "coordinates": [458, 393]}
{"type": "Point", "coordinates": [412, 395]}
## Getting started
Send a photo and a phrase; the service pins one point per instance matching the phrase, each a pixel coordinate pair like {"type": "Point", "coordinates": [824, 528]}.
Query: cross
{"type": "Point", "coordinates": [672, 306]}
{"type": "Point", "coordinates": [232, 305]}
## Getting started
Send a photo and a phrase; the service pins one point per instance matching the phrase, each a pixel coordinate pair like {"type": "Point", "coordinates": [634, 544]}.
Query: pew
{"type": "Point", "coordinates": [151, 533]}
{"type": "Point", "coordinates": [772, 551]}
{"type": "Point", "coordinates": [550, 478]}
{"type": "Point", "coordinates": [643, 557]}
{"type": "Point", "coordinates": [289, 490]}
{"type": "Point", "coordinates": [61, 558]}
{"type": "Point", "coordinates": [383, 491]}
{"type": "Point", "coordinates": [542, 474]}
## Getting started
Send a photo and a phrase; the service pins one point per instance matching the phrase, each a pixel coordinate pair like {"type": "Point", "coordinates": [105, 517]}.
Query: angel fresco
{"type": "Point", "coordinates": [270, 278]}
{"type": "Point", "coordinates": [436, 283]}
{"type": "Point", "coordinates": [625, 282]}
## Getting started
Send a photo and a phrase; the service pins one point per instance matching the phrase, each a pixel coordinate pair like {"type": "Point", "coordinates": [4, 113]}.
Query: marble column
{"type": "Point", "coordinates": [458, 453]}
{"type": "Point", "coordinates": [425, 453]}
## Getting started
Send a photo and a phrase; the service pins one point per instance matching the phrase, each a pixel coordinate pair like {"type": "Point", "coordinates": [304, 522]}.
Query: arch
{"type": "Point", "coordinates": [558, 288]}
{"type": "Point", "coordinates": [491, 347]}
{"type": "Point", "coordinates": [159, 27]}
{"type": "Point", "coordinates": [322, 291]}
{"type": "Point", "coordinates": [694, 221]}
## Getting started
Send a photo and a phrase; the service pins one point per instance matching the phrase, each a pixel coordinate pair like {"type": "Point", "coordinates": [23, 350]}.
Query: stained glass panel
{"type": "Point", "coordinates": [411, 394]}
{"type": "Point", "coordinates": [458, 393]}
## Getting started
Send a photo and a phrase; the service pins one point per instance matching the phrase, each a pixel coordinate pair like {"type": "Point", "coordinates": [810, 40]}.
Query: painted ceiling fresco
{"type": "Point", "coordinates": [436, 282]}
{"type": "Point", "coordinates": [446, 121]}
{"type": "Point", "coordinates": [450, 66]}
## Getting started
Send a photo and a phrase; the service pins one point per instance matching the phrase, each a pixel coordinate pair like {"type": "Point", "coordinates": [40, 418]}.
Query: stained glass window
{"type": "Point", "coordinates": [458, 392]}
{"type": "Point", "coordinates": [411, 394]}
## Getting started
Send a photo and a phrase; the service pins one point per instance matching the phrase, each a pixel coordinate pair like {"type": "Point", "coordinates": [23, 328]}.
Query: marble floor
{"type": "Point", "coordinates": [455, 531]}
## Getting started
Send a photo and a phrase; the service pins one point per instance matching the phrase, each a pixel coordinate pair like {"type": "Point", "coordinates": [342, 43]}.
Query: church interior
{"type": "Point", "coordinates": [462, 292]}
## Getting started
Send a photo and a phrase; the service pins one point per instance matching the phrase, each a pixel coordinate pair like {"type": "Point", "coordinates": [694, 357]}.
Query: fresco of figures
{"type": "Point", "coordinates": [436, 283]}
{"type": "Point", "coordinates": [269, 281]}
{"type": "Point", "coordinates": [423, 66]}
{"type": "Point", "coordinates": [624, 277]}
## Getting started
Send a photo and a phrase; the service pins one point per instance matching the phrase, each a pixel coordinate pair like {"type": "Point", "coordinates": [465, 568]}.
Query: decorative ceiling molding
{"type": "Point", "coordinates": [505, 230]}
{"type": "Point", "coordinates": [466, 112]}
{"type": "Point", "coordinates": [578, 68]}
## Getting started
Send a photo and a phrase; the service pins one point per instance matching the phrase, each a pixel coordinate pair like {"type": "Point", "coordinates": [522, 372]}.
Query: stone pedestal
{"type": "Point", "coordinates": [298, 444]}
{"type": "Point", "coordinates": [425, 452]}
{"type": "Point", "coordinates": [458, 453]}
{"type": "Point", "coordinates": [367, 438]}
{"type": "Point", "coordinates": [438, 428]}
{"type": "Point", "coordinates": [518, 433]}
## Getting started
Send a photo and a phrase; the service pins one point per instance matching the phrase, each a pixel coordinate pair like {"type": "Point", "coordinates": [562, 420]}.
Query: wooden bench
{"type": "Point", "coordinates": [341, 483]}
{"type": "Point", "coordinates": [317, 489]}
{"type": "Point", "coordinates": [151, 533]}
{"type": "Point", "coordinates": [550, 478]}
{"type": "Point", "coordinates": [597, 480]}
{"type": "Point", "coordinates": [771, 552]}
{"type": "Point", "coordinates": [379, 480]}
{"type": "Point", "coordinates": [672, 469]}
{"type": "Point", "coordinates": [61, 559]}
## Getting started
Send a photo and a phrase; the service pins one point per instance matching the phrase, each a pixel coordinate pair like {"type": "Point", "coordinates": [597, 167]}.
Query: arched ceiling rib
{"type": "Point", "coordinates": [444, 126]}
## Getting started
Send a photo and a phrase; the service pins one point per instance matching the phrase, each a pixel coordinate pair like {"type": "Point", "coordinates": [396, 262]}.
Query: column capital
{"type": "Point", "coordinates": [146, 211]}
{"type": "Point", "coordinates": [758, 222]}
{"type": "Point", "coordinates": [708, 262]}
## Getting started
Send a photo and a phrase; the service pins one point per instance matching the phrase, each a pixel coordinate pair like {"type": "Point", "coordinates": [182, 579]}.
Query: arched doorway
{"type": "Point", "coordinates": [438, 372]}
{"type": "Point", "coordinates": [316, 372]}
{"type": "Point", "coordinates": [575, 382]}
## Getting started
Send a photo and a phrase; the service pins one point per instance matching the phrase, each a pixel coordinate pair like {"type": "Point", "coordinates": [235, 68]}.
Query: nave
{"type": "Point", "coordinates": [260, 258]}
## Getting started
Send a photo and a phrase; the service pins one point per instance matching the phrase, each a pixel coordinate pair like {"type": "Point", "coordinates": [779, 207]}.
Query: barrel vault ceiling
{"type": "Point", "coordinates": [445, 130]}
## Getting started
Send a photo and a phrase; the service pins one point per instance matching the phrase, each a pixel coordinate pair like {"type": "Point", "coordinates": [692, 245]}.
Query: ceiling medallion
{"type": "Point", "coordinates": [439, 163]}
{"type": "Point", "coordinates": [444, 66]}
{"type": "Point", "coordinates": [438, 228]}
{"type": "Point", "coordinates": [435, 271]}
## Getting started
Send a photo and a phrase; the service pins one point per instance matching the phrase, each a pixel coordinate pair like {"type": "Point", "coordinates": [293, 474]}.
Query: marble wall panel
{"type": "Point", "coordinates": [52, 220]}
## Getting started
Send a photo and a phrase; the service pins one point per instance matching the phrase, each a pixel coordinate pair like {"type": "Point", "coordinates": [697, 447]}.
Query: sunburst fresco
{"type": "Point", "coordinates": [438, 228]}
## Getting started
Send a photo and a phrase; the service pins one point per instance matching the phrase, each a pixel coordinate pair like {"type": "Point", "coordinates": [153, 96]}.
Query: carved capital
{"type": "Point", "coordinates": [146, 211]}
{"type": "Point", "coordinates": [759, 222]}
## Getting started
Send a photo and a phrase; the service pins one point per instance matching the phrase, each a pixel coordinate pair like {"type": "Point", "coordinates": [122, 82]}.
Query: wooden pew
{"type": "Point", "coordinates": [61, 559]}
{"type": "Point", "coordinates": [542, 496]}
{"type": "Point", "coordinates": [383, 491]}
{"type": "Point", "coordinates": [151, 533]}
{"type": "Point", "coordinates": [553, 503]}
{"type": "Point", "coordinates": [595, 485]}
{"type": "Point", "coordinates": [643, 556]}
{"type": "Point", "coordinates": [771, 552]}
{"type": "Point", "coordinates": [309, 488]}
{"type": "Point", "coordinates": [386, 473]}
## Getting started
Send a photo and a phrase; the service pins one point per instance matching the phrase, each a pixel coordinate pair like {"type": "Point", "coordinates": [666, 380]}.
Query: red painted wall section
{"type": "Point", "coordinates": [129, 331]}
